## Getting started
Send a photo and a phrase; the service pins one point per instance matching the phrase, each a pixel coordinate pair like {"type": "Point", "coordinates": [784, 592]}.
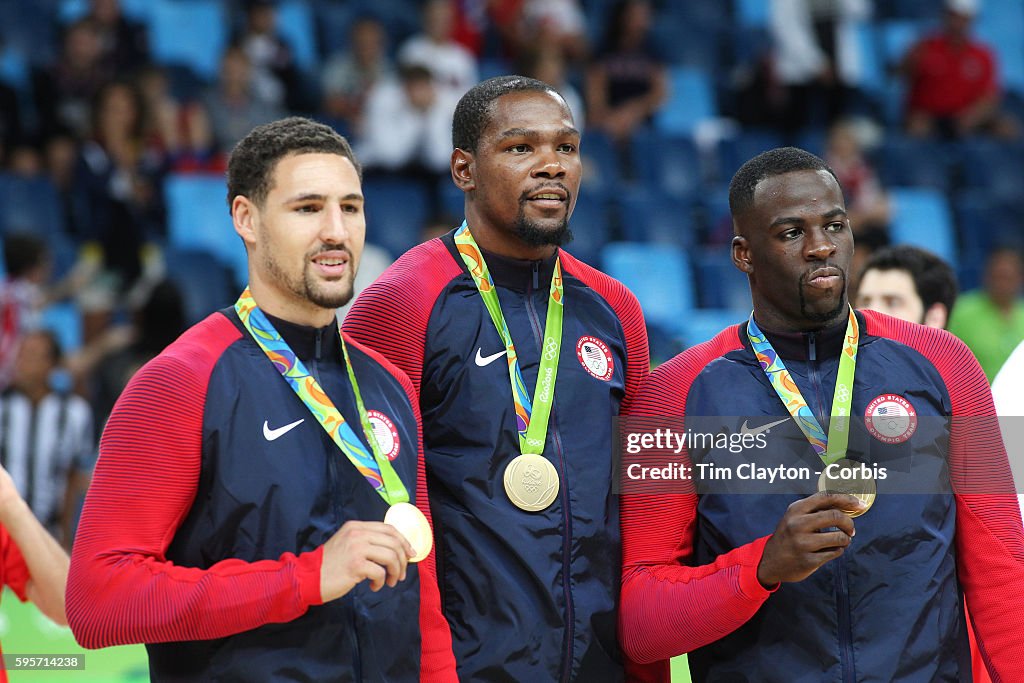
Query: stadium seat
{"type": "Point", "coordinates": [913, 162]}
{"type": "Point", "coordinates": [591, 226]}
{"type": "Point", "coordinates": [396, 213]}
{"type": "Point", "coordinates": [700, 325]}
{"type": "Point", "coordinates": [996, 168]}
{"type": "Point", "coordinates": [735, 151]}
{"type": "Point", "coordinates": [656, 217]}
{"type": "Point", "coordinates": [64, 319]}
{"type": "Point", "coordinates": [206, 285]}
{"type": "Point", "coordinates": [922, 217]}
{"type": "Point", "coordinates": [691, 100]}
{"type": "Point", "coordinates": [719, 283]}
{"type": "Point", "coordinates": [30, 205]}
{"type": "Point", "coordinates": [296, 24]}
{"type": "Point", "coordinates": [1000, 24]}
{"type": "Point", "coordinates": [602, 166]}
{"type": "Point", "coordinates": [752, 13]}
{"type": "Point", "coordinates": [189, 32]}
{"type": "Point", "coordinates": [984, 222]}
{"type": "Point", "coordinates": [660, 277]}
{"type": "Point", "coordinates": [667, 163]}
{"type": "Point", "coordinates": [198, 218]}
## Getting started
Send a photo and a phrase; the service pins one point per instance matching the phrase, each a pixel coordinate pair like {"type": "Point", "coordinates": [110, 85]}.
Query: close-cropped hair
{"type": "Point", "coordinates": [768, 165]}
{"type": "Point", "coordinates": [252, 161]}
{"type": "Point", "coordinates": [473, 112]}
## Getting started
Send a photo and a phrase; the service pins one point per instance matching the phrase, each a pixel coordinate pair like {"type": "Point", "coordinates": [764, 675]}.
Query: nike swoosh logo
{"type": "Point", "coordinates": [272, 434]}
{"type": "Point", "coordinates": [744, 429]}
{"type": "Point", "coordinates": [484, 361]}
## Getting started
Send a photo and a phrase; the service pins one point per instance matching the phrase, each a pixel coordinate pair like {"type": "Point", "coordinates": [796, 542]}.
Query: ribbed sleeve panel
{"type": "Point", "coordinates": [391, 315]}
{"type": "Point", "coordinates": [989, 535]}
{"type": "Point", "coordinates": [627, 308]}
{"type": "Point", "coordinates": [669, 606]}
{"type": "Point", "coordinates": [437, 662]}
{"type": "Point", "coordinates": [121, 587]}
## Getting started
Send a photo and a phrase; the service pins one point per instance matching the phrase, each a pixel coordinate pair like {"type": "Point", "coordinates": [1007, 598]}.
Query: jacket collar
{"type": "Point", "coordinates": [302, 339]}
{"type": "Point", "coordinates": [824, 343]}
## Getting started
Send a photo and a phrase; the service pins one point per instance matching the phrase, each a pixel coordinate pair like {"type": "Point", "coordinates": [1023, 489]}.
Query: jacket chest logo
{"type": "Point", "coordinates": [890, 418]}
{"type": "Point", "coordinates": [595, 357]}
{"type": "Point", "coordinates": [385, 432]}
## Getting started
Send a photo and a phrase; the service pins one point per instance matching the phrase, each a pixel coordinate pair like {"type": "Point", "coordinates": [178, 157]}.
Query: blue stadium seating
{"type": "Point", "coordinates": [658, 218]}
{"type": "Point", "coordinates": [995, 167]}
{"type": "Point", "coordinates": [602, 167]}
{"type": "Point", "coordinates": [591, 226]}
{"type": "Point", "coordinates": [660, 277]}
{"type": "Point", "coordinates": [296, 24]}
{"type": "Point", "coordinates": [746, 144]}
{"type": "Point", "coordinates": [206, 285]}
{"type": "Point", "coordinates": [752, 13]}
{"type": "Point", "coordinates": [913, 162]}
{"type": "Point", "coordinates": [198, 218]}
{"type": "Point", "coordinates": [922, 217]}
{"type": "Point", "coordinates": [30, 205]}
{"type": "Point", "coordinates": [189, 32]}
{"type": "Point", "coordinates": [691, 100]}
{"type": "Point", "coordinates": [669, 164]}
{"type": "Point", "coordinates": [719, 283]}
{"type": "Point", "coordinates": [1000, 24]}
{"type": "Point", "coordinates": [700, 325]}
{"type": "Point", "coordinates": [65, 319]}
{"type": "Point", "coordinates": [396, 213]}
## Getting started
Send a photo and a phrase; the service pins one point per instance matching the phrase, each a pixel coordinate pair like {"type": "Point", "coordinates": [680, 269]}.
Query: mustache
{"type": "Point", "coordinates": [546, 186]}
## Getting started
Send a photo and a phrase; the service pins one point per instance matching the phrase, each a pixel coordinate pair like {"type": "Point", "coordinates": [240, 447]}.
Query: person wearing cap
{"type": "Point", "coordinates": [897, 498]}
{"type": "Point", "coordinates": [953, 86]}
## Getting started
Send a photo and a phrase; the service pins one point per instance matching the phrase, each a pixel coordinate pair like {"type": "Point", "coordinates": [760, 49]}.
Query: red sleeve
{"type": "Point", "coordinates": [627, 308]}
{"type": "Point", "coordinates": [437, 660]}
{"type": "Point", "coordinates": [989, 535]}
{"type": "Point", "coordinates": [121, 587]}
{"type": "Point", "coordinates": [13, 569]}
{"type": "Point", "coordinates": [669, 606]}
{"type": "Point", "coordinates": [391, 315]}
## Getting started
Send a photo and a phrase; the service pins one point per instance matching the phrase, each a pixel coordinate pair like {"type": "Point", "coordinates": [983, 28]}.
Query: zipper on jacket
{"type": "Point", "coordinates": [845, 627]}
{"type": "Point", "coordinates": [821, 411]}
{"type": "Point", "coordinates": [563, 489]}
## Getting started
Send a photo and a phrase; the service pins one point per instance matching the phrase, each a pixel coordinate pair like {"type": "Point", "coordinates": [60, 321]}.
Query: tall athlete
{"type": "Point", "coordinates": [783, 583]}
{"type": "Point", "coordinates": [252, 512]}
{"type": "Point", "coordinates": [521, 357]}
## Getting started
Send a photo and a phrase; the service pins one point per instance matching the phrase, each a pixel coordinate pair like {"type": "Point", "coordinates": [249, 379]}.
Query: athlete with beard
{"type": "Point", "coordinates": [253, 515]}
{"type": "Point", "coordinates": [804, 581]}
{"type": "Point", "coordinates": [521, 356]}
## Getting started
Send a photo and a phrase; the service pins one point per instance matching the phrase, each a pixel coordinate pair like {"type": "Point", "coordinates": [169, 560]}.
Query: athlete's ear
{"type": "Point", "coordinates": [741, 254]}
{"type": "Point", "coordinates": [243, 215]}
{"type": "Point", "coordinates": [936, 316]}
{"type": "Point", "coordinates": [462, 170]}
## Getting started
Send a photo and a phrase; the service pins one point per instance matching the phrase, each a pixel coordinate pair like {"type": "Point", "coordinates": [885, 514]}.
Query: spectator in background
{"type": "Point", "coordinates": [60, 155]}
{"type": "Point", "coordinates": [233, 105]}
{"type": "Point", "coordinates": [275, 75]}
{"type": "Point", "coordinates": [453, 66]}
{"type": "Point", "coordinates": [991, 320]}
{"type": "Point", "coordinates": [546, 62]}
{"type": "Point", "coordinates": [908, 283]}
{"type": "Point", "coordinates": [816, 58]}
{"type": "Point", "coordinates": [124, 43]}
{"type": "Point", "coordinates": [65, 90]}
{"type": "Point", "coordinates": [46, 436]}
{"type": "Point", "coordinates": [118, 201]}
{"type": "Point", "coordinates": [867, 204]}
{"type": "Point", "coordinates": [348, 76]}
{"type": "Point", "coordinates": [628, 80]}
{"type": "Point", "coordinates": [180, 130]}
{"type": "Point", "coordinates": [406, 129]}
{"type": "Point", "coordinates": [953, 85]}
{"type": "Point", "coordinates": [560, 24]}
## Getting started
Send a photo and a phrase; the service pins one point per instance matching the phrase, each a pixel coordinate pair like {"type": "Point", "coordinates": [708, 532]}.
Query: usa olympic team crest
{"type": "Point", "coordinates": [596, 357]}
{"type": "Point", "coordinates": [890, 418]}
{"type": "Point", "coordinates": [385, 432]}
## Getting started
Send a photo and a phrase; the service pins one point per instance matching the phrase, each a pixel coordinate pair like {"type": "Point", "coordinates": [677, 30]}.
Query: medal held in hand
{"type": "Point", "coordinates": [531, 481]}
{"type": "Point", "coordinates": [852, 478]}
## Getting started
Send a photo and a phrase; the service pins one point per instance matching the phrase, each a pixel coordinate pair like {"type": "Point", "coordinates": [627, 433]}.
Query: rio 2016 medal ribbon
{"type": "Point", "coordinates": [531, 481]}
{"type": "Point", "coordinates": [374, 466]}
{"type": "Point", "coordinates": [852, 478]}
{"type": "Point", "coordinates": [831, 447]}
{"type": "Point", "coordinates": [412, 524]}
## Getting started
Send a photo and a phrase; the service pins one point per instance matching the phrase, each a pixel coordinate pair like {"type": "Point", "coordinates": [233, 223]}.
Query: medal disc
{"type": "Point", "coordinates": [412, 524]}
{"type": "Point", "coordinates": [852, 478]}
{"type": "Point", "coordinates": [531, 482]}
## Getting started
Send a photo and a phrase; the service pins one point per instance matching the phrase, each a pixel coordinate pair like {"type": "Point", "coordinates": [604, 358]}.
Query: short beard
{"type": "Point", "coordinates": [307, 287]}
{"type": "Point", "coordinates": [535, 236]}
{"type": "Point", "coordinates": [826, 316]}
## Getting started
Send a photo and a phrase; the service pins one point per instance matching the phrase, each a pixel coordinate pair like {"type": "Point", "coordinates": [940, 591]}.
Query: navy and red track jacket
{"type": "Point", "coordinates": [945, 520]}
{"type": "Point", "coordinates": [215, 490]}
{"type": "Point", "coordinates": [530, 596]}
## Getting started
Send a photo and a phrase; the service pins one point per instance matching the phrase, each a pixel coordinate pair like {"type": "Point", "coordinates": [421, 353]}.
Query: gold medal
{"type": "Point", "coordinates": [852, 478]}
{"type": "Point", "coordinates": [531, 482]}
{"type": "Point", "coordinates": [412, 524]}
